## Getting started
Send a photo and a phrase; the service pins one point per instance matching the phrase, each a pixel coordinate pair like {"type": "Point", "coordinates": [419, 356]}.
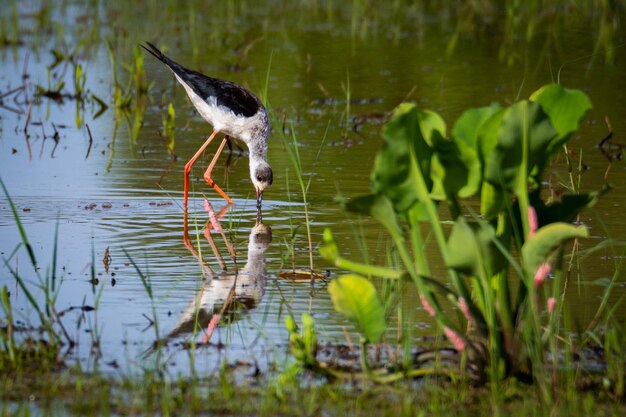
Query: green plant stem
{"type": "Point", "coordinates": [364, 364]}
{"type": "Point", "coordinates": [522, 179]}
{"type": "Point", "coordinates": [418, 244]}
{"type": "Point", "coordinates": [367, 270]}
{"type": "Point", "coordinates": [8, 340]}
{"type": "Point", "coordinates": [417, 279]}
{"type": "Point", "coordinates": [294, 156]}
{"type": "Point", "coordinates": [503, 297]}
{"type": "Point", "coordinates": [436, 224]}
{"type": "Point", "coordinates": [145, 280]}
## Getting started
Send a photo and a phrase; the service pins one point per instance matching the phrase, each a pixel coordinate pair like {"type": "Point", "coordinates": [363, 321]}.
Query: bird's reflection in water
{"type": "Point", "coordinates": [230, 291]}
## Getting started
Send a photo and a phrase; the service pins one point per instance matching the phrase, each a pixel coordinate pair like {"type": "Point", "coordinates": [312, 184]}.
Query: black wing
{"type": "Point", "coordinates": [239, 100]}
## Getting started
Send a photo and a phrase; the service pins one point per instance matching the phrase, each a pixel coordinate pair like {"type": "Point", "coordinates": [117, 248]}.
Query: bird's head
{"type": "Point", "coordinates": [262, 177]}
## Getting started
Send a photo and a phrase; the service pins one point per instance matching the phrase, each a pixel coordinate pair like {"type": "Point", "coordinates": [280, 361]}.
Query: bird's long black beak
{"type": "Point", "coordinates": [259, 199]}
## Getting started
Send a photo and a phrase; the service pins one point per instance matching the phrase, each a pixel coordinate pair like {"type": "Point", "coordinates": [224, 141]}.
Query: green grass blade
{"type": "Point", "coordinates": [20, 227]}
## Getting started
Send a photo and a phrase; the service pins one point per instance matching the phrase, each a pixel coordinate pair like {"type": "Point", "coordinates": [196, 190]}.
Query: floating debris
{"type": "Point", "coordinates": [106, 260]}
{"type": "Point", "coordinates": [301, 275]}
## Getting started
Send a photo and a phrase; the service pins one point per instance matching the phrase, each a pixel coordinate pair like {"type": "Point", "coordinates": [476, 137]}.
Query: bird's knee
{"type": "Point", "coordinates": [209, 180]}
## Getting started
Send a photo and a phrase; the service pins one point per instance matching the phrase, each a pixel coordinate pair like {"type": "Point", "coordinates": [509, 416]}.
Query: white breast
{"type": "Point", "coordinates": [220, 117]}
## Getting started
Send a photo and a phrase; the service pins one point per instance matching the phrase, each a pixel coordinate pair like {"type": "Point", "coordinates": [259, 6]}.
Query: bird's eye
{"type": "Point", "coordinates": [259, 178]}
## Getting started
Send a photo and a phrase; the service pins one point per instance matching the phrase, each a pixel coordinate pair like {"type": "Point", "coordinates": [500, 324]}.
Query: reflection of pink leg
{"type": "Point", "coordinates": [207, 269]}
{"type": "Point", "coordinates": [210, 328]}
{"type": "Point", "coordinates": [188, 170]}
{"type": "Point", "coordinates": [207, 234]}
{"type": "Point", "coordinates": [216, 252]}
{"type": "Point", "coordinates": [215, 224]}
{"type": "Point", "coordinates": [212, 217]}
{"type": "Point", "coordinates": [216, 317]}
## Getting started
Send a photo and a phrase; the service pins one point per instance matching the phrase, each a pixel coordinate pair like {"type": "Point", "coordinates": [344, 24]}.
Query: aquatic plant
{"type": "Point", "coordinates": [129, 99]}
{"type": "Point", "coordinates": [37, 346]}
{"type": "Point", "coordinates": [169, 127]}
{"type": "Point", "coordinates": [497, 306]}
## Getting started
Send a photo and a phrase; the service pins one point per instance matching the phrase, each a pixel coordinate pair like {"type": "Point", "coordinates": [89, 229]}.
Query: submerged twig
{"type": "Point", "coordinates": [30, 152]}
{"type": "Point", "coordinates": [13, 90]}
{"type": "Point", "coordinates": [150, 322]}
{"type": "Point", "coordinates": [30, 108]}
{"type": "Point", "coordinates": [25, 74]}
{"type": "Point", "coordinates": [90, 140]}
{"type": "Point", "coordinates": [56, 137]}
{"type": "Point", "coordinates": [610, 149]}
{"type": "Point", "coordinates": [610, 134]}
{"type": "Point", "coordinates": [43, 141]}
{"type": "Point", "coordinates": [11, 109]}
{"type": "Point", "coordinates": [167, 169]}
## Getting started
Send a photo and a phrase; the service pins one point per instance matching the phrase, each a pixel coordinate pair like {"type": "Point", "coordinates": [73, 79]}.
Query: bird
{"type": "Point", "coordinates": [233, 111]}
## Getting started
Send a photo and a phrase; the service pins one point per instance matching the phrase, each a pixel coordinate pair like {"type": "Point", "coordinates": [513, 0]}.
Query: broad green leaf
{"type": "Point", "coordinates": [522, 120]}
{"type": "Point", "coordinates": [471, 249]}
{"type": "Point", "coordinates": [430, 124]}
{"type": "Point", "coordinates": [487, 135]}
{"type": "Point", "coordinates": [565, 108]}
{"type": "Point", "coordinates": [377, 206]}
{"type": "Point", "coordinates": [565, 210]}
{"type": "Point", "coordinates": [491, 200]}
{"type": "Point", "coordinates": [467, 126]}
{"type": "Point", "coordinates": [491, 197]}
{"type": "Point", "coordinates": [356, 298]}
{"type": "Point", "coordinates": [545, 241]}
{"type": "Point", "coordinates": [392, 175]}
{"type": "Point", "coordinates": [455, 169]}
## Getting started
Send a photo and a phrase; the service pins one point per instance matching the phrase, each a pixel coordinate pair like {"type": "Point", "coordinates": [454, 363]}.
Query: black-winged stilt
{"type": "Point", "coordinates": [231, 110]}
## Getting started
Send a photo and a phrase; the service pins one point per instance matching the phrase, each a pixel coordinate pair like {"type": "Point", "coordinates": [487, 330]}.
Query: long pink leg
{"type": "Point", "coordinates": [190, 164]}
{"type": "Point", "coordinates": [207, 173]}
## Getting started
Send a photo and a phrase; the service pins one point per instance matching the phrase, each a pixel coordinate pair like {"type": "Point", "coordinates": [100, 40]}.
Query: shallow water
{"type": "Point", "coordinates": [125, 194]}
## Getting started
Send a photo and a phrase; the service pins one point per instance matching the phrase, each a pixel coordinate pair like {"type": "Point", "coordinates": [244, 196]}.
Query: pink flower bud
{"type": "Point", "coordinates": [542, 272]}
{"type": "Point", "coordinates": [532, 221]}
{"type": "Point", "coordinates": [427, 306]}
{"type": "Point", "coordinates": [551, 304]}
{"type": "Point", "coordinates": [456, 340]}
{"type": "Point", "coordinates": [465, 309]}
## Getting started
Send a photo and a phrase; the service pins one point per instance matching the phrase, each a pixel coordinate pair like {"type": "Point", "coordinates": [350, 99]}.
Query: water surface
{"type": "Point", "coordinates": [330, 82]}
